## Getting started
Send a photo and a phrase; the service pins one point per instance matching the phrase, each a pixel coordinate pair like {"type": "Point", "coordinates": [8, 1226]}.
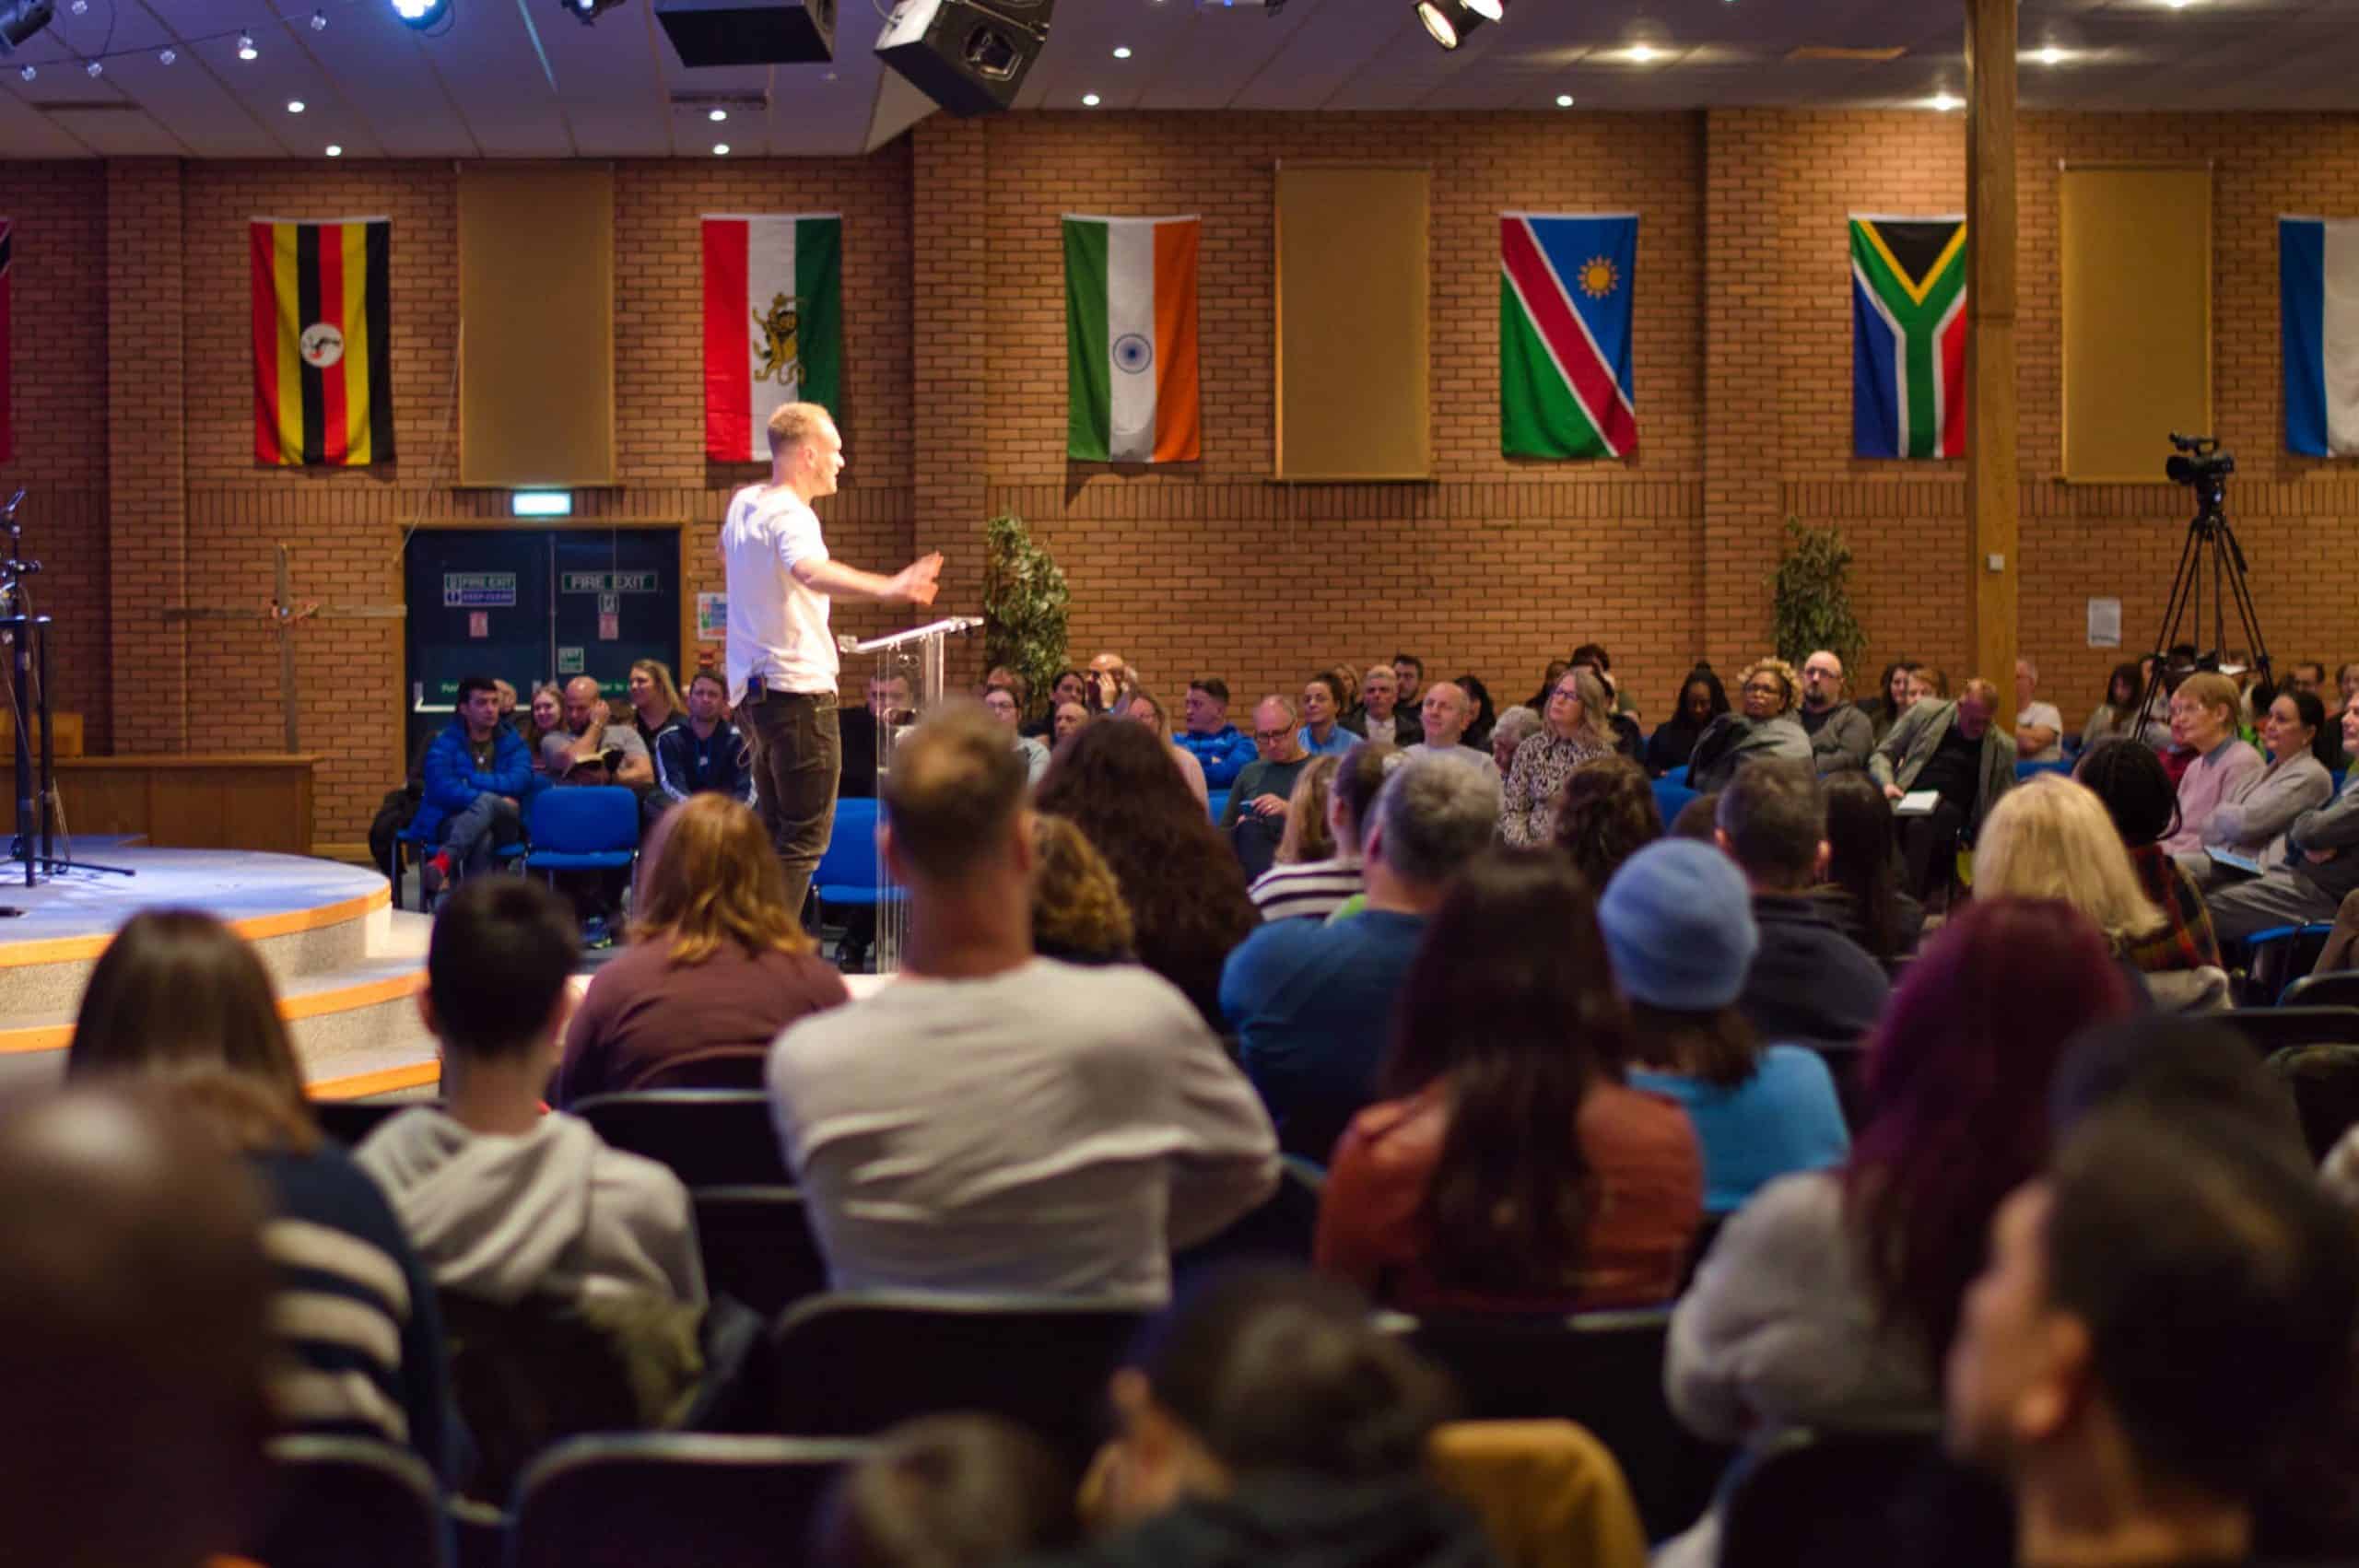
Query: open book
{"type": "Point", "coordinates": [2234, 861]}
{"type": "Point", "coordinates": [1916, 802]}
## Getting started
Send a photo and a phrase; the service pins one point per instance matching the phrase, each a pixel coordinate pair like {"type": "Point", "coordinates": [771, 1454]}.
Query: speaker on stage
{"type": "Point", "coordinates": [967, 55]}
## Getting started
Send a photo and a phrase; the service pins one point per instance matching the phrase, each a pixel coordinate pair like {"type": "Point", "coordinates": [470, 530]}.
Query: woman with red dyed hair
{"type": "Point", "coordinates": [1831, 1298]}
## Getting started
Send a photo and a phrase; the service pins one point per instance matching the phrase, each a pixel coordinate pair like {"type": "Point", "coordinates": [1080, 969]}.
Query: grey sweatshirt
{"type": "Point", "coordinates": [556, 1211]}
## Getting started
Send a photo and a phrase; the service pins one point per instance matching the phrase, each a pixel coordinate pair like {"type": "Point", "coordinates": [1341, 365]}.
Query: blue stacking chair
{"type": "Point", "coordinates": [2031, 769]}
{"type": "Point", "coordinates": [1671, 795]}
{"type": "Point", "coordinates": [2276, 957]}
{"type": "Point", "coordinates": [847, 872]}
{"type": "Point", "coordinates": [586, 829]}
{"type": "Point", "coordinates": [1218, 803]}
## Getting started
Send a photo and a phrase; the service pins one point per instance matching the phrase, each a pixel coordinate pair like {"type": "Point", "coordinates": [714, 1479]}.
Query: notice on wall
{"type": "Point", "coordinates": [2105, 623]}
{"type": "Point", "coordinates": [568, 661]}
{"type": "Point", "coordinates": [478, 622]}
{"type": "Point", "coordinates": [712, 617]}
{"type": "Point", "coordinates": [491, 591]}
{"type": "Point", "coordinates": [610, 628]}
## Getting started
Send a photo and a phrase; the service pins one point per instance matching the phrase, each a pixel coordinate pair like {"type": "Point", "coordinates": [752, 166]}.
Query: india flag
{"type": "Point", "coordinates": [1131, 339]}
{"type": "Point", "coordinates": [773, 324]}
{"type": "Point", "coordinates": [2318, 271]}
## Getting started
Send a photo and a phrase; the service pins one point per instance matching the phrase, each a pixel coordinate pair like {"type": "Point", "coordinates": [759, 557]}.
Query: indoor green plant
{"type": "Point", "coordinates": [1024, 605]}
{"type": "Point", "coordinates": [1811, 605]}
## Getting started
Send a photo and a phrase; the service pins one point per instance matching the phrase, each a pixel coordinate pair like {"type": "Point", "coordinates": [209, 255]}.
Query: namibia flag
{"type": "Point", "coordinates": [322, 365]}
{"type": "Point", "coordinates": [1908, 336]}
{"type": "Point", "coordinates": [1564, 290]}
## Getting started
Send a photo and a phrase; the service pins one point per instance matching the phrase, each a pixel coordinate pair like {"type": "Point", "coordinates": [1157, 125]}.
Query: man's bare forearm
{"type": "Point", "coordinates": [834, 577]}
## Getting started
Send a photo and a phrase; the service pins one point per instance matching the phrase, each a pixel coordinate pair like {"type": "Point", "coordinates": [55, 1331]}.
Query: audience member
{"type": "Point", "coordinates": [1187, 896]}
{"type": "Point", "coordinates": [1861, 886]}
{"type": "Point", "coordinates": [1927, 683]}
{"type": "Point", "coordinates": [1701, 700]}
{"type": "Point", "coordinates": [2308, 675]}
{"type": "Point", "coordinates": [1809, 983]}
{"type": "Point", "coordinates": [718, 964]}
{"type": "Point", "coordinates": [2127, 780]}
{"type": "Point", "coordinates": [703, 753]}
{"type": "Point", "coordinates": [1953, 751]}
{"type": "Point", "coordinates": [2164, 1323]}
{"type": "Point", "coordinates": [1699, 819]}
{"type": "Point", "coordinates": [1830, 1299]}
{"type": "Point", "coordinates": [858, 731]}
{"type": "Point", "coordinates": [134, 1336]}
{"type": "Point", "coordinates": [592, 748]}
{"type": "Point", "coordinates": [1478, 729]}
{"type": "Point", "coordinates": [1409, 673]}
{"type": "Point", "coordinates": [1764, 730]}
{"type": "Point", "coordinates": [1383, 717]}
{"type": "Point", "coordinates": [1254, 818]}
{"type": "Point", "coordinates": [2172, 1065]}
{"type": "Point", "coordinates": [476, 777]}
{"type": "Point", "coordinates": [1310, 836]}
{"type": "Point", "coordinates": [502, 1201]}
{"type": "Point", "coordinates": [1347, 686]}
{"type": "Point", "coordinates": [2203, 720]}
{"type": "Point", "coordinates": [1078, 914]}
{"type": "Point", "coordinates": [1110, 680]}
{"type": "Point", "coordinates": [1347, 791]}
{"type": "Point", "coordinates": [2039, 728]}
{"type": "Point", "coordinates": [1144, 708]}
{"type": "Point", "coordinates": [1325, 732]}
{"type": "Point", "coordinates": [1011, 680]}
{"type": "Point", "coordinates": [1210, 738]}
{"type": "Point", "coordinates": [1509, 731]}
{"type": "Point", "coordinates": [1000, 704]}
{"type": "Point", "coordinates": [960, 1490]}
{"type": "Point", "coordinates": [1891, 700]}
{"type": "Point", "coordinates": [1315, 869]}
{"type": "Point", "coordinates": [1621, 728]}
{"type": "Point", "coordinates": [1443, 718]}
{"type": "Point", "coordinates": [2252, 817]}
{"type": "Point", "coordinates": [180, 1005]}
{"type": "Point", "coordinates": [1606, 813]}
{"type": "Point", "coordinates": [2116, 717]}
{"type": "Point", "coordinates": [507, 701]}
{"type": "Point", "coordinates": [1840, 735]}
{"type": "Point", "coordinates": [2346, 679]}
{"type": "Point", "coordinates": [1311, 1002]}
{"type": "Point", "coordinates": [1548, 679]}
{"type": "Point", "coordinates": [1067, 686]}
{"type": "Point", "coordinates": [543, 719]}
{"type": "Point", "coordinates": [1265, 1420]}
{"type": "Point", "coordinates": [999, 1122]}
{"type": "Point", "coordinates": [2053, 838]}
{"type": "Point", "coordinates": [656, 703]}
{"type": "Point", "coordinates": [2317, 873]}
{"type": "Point", "coordinates": [1682, 938]}
{"type": "Point", "coordinates": [1071, 717]}
{"type": "Point", "coordinates": [1574, 732]}
{"type": "Point", "coordinates": [1508, 1167]}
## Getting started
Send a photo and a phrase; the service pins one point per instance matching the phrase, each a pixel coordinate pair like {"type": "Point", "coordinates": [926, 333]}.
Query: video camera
{"type": "Point", "coordinates": [2199, 461]}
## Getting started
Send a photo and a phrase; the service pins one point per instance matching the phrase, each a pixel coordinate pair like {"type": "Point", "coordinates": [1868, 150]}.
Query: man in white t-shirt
{"type": "Point", "coordinates": [2039, 729]}
{"type": "Point", "coordinates": [996, 1122]}
{"type": "Point", "coordinates": [780, 659]}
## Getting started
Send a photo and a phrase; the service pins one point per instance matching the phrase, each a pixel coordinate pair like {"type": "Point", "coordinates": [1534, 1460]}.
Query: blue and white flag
{"type": "Point", "coordinates": [2318, 269]}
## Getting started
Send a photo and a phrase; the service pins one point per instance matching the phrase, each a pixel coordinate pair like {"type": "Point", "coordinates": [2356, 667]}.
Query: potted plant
{"type": "Point", "coordinates": [1024, 605]}
{"type": "Point", "coordinates": [1811, 606]}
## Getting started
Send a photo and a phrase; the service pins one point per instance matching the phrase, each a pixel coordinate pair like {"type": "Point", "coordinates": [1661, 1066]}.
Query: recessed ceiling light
{"type": "Point", "coordinates": [166, 56]}
{"type": "Point", "coordinates": [1564, 100]}
{"type": "Point", "coordinates": [1122, 51]}
{"type": "Point", "coordinates": [319, 21]}
{"type": "Point", "coordinates": [79, 7]}
{"type": "Point", "coordinates": [96, 69]}
{"type": "Point", "coordinates": [294, 106]}
{"type": "Point", "coordinates": [1642, 52]}
{"type": "Point", "coordinates": [721, 149]}
{"type": "Point", "coordinates": [29, 73]}
{"type": "Point", "coordinates": [334, 150]}
{"type": "Point", "coordinates": [246, 50]}
{"type": "Point", "coordinates": [1089, 101]}
{"type": "Point", "coordinates": [718, 115]}
{"type": "Point", "coordinates": [1941, 101]}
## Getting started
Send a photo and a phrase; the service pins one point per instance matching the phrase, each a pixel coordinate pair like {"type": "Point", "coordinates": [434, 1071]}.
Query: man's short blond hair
{"type": "Point", "coordinates": [791, 424]}
{"type": "Point", "coordinates": [954, 788]}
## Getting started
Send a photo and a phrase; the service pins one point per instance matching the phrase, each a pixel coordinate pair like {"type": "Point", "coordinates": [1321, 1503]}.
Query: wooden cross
{"type": "Point", "coordinates": [282, 613]}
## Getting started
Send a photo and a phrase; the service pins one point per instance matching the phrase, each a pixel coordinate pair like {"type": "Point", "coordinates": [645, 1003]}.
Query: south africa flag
{"type": "Point", "coordinates": [1908, 336]}
{"type": "Point", "coordinates": [1564, 286]}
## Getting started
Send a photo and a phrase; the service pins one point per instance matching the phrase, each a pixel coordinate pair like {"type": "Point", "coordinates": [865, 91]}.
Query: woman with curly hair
{"type": "Point", "coordinates": [1185, 889]}
{"type": "Point", "coordinates": [1077, 910]}
{"type": "Point", "coordinates": [1765, 727]}
{"type": "Point", "coordinates": [1606, 814]}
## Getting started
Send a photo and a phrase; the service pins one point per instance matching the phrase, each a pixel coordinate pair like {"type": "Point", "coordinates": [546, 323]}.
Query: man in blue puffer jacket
{"type": "Point", "coordinates": [477, 771]}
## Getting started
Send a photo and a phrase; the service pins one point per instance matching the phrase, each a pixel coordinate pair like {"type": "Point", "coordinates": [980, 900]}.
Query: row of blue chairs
{"type": "Point", "coordinates": [583, 828]}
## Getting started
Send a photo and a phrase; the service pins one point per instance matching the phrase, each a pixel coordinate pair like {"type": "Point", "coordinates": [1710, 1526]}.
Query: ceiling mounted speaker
{"type": "Point", "coordinates": [967, 55]}
{"type": "Point", "coordinates": [750, 32]}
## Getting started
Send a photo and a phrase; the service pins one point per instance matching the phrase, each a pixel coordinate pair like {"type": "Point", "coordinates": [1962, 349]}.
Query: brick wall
{"type": "Point", "coordinates": [139, 450]}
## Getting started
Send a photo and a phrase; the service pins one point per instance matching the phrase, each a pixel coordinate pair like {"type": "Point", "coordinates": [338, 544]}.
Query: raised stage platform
{"type": "Point", "coordinates": [348, 964]}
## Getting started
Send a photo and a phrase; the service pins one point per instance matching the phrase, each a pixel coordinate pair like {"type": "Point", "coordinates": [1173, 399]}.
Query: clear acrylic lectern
{"type": "Point", "coordinates": [914, 656]}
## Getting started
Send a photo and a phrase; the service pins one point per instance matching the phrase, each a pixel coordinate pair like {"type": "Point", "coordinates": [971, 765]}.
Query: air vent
{"type": "Point", "coordinates": [85, 105]}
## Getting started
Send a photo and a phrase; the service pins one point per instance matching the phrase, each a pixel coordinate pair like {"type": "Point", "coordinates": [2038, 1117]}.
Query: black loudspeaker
{"type": "Point", "coordinates": [967, 55]}
{"type": "Point", "coordinates": [750, 32]}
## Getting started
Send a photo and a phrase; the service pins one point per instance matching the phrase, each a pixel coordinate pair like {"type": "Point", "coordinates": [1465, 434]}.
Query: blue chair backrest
{"type": "Point", "coordinates": [1672, 795]}
{"type": "Point", "coordinates": [2031, 769]}
{"type": "Point", "coordinates": [850, 859]}
{"type": "Point", "coordinates": [1218, 803]}
{"type": "Point", "coordinates": [583, 820]}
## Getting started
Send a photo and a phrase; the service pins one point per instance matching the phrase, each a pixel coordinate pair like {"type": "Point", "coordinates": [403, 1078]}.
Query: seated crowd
{"type": "Point", "coordinates": [1866, 1066]}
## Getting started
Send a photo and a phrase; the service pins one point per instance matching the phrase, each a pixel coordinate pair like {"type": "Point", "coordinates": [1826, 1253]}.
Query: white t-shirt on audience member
{"type": "Point", "coordinates": [2045, 714]}
{"type": "Point", "coordinates": [1052, 1130]}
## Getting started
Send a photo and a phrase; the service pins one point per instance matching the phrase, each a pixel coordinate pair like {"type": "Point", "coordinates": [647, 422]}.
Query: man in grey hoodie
{"type": "Point", "coordinates": [503, 1199]}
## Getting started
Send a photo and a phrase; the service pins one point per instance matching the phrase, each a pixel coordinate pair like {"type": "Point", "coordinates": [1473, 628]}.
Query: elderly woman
{"type": "Point", "coordinates": [1572, 731]}
{"type": "Point", "coordinates": [2203, 723]}
{"type": "Point", "coordinates": [1514, 727]}
{"type": "Point", "coordinates": [2252, 817]}
{"type": "Point", "coordinates": [1764, 727]}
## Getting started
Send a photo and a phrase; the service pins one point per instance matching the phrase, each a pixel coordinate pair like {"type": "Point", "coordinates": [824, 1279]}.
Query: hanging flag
{"type": "Point", "coordinates": [1130, 385]}
{"type": "Point", "coordinates": [8, 427]}
{"type": "Point", "coordinates": [773, 324]}
{"type": "Point", "coordinates": [2317, 279]}
{"type": "Point", "coordinates": [1908, 336]}
{"type": "Point", "coordinates": [324, 390]}
{"type": "Point", "coordinates": [1564, 287]}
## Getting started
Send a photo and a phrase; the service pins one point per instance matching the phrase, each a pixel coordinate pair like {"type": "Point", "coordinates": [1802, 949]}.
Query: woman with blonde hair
{"type": "Point", "coordinates": [1143, 708]}
{"type": "Point", "coordinates": [718, 965]}
{"type": "Point", "coordinates": [1572, 731]}
{"type": "Point", "coordinates": [655, 701]}
{"type": "Point", "coordinates": [1762, 729]}
{"type": "Point", "coordinates": [1323, 817]}
{"type": "Point", "coordinates": [1077, 910]}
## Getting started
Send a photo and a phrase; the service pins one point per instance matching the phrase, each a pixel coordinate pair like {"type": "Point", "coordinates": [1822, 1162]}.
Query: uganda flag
{"type": "Point", "coordinates": [1908, 336]}
{"type": "Point", "coordinates": [323, 375]}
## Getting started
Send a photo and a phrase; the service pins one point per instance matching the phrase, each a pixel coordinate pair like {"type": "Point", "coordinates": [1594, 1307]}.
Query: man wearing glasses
{"type": "Point", "coordinates": [1258, 799]}
{"type": "Point", "coordinates": [1840, 735]}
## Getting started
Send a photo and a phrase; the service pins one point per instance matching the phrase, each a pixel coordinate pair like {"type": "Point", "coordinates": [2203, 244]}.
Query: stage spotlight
{"type": "Point", "coordinates": [1448, 20]}
{"type": "Point", "coordinates": [421, 14]}
{"type": "Point", "coordinates": [20, 19]}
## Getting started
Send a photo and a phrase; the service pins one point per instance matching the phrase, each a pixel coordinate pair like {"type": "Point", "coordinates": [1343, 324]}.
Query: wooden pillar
{"type": "Point", "coordinates": [1991, 480]}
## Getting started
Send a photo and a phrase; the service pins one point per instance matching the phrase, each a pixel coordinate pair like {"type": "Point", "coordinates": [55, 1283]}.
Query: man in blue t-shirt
{"type": "Point", "coordinates": [1311, 1002]}
{"type": "Point", "coordinates": [1210, 738]}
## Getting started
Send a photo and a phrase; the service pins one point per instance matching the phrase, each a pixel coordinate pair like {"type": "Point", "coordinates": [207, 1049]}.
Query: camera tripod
{"type": "Point", "coordinates": [28, 677]}
{"type": "Point", "coordinates": [2210, 546]}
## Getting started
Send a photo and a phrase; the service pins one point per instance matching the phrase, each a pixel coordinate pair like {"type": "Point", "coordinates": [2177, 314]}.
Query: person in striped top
{"type": "Point", "coordinates": [1337, 793]}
